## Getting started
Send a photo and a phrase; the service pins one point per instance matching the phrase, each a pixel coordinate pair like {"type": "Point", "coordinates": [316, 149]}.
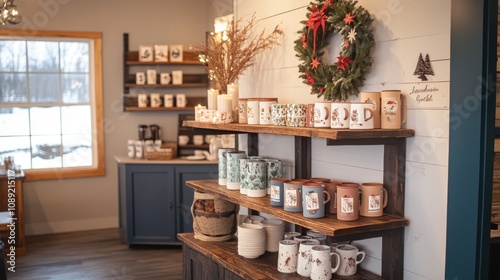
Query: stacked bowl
{"type": "Point", "coordinates": [251, 240]}
{"type": "Point", "coordinates": [275, 229]}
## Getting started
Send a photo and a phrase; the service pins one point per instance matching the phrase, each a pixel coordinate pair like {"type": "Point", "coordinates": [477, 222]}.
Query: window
{"type": "Point", "coordinates": [51, 103]}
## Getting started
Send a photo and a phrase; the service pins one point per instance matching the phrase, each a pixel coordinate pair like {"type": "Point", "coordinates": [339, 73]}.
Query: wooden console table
{"type": "Point", "coordinates": [14, 183]}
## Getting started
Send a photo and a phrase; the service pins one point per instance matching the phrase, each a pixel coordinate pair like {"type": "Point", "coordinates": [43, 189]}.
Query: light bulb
{"type": "Point", "coordinates": [14, 16]}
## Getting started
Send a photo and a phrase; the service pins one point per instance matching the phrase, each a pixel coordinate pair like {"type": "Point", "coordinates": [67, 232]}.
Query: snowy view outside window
{"type": "Point", "coordinates": [45, 103]}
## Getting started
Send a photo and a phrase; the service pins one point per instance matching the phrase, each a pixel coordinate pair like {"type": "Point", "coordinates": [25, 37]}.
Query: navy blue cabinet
{"type": "Point", "coordinates": [154, 202]}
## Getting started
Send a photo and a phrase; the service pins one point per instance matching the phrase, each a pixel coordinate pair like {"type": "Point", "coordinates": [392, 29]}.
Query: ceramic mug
{"type": "Point", "coordinates": [373, 200]}
{"type": "Point", "coordinates": [168, 100]}
{"type": "Point", "coordinates": [222, 165]}
{"type": "Point", "coordinates": [142, 100]}
{"type": "Point", "coordinates": [314, 197]}
{"type": "Point", "coordinates": [288, 256]}
{"type": "Point", "coordinates": [375, 99]}
{"type": "Point", "coordinates": [156, 100]}
{"type": "Point", "coordinates": [265, 109]}
{"type": "Point", "coordinates": [278, 114]}
{"type": "Point", "coordinates": [322, 114]}
{"type": "Point", "coordinates": [274, 170]}
{"type": "Point", "coordinates": [180, 100]}
{"type": "Point", "coordinates": [151, 76]}
{"type": "Point", "coordinates": [331, 188]}
{"type": "Point", "coordinates": [349, 259]}
{"type": "Point", "coordinates": [292, 196]}
{"type": "Point", "coordinates": [290, 235]}
{"type": "Point", "coordinates": [277, 189]}
{"type": "Point", "coordinates": [321, 264]}
{"type": "Point", "coordinates": [310, 115]}
{"type": "Point", "coordinates": [177, 77]}
{"type": "Point", "coordinates": [296, 115]}
{"type": "Point", "coordinates": [348, 201]}
{"type": "Point", "coordinates": [305, 257]}
{"type": "Point", "coordinates": [340, 115]}
{"type": "Point", "coordinates": [233, 169]}
{"type": "Point", "coordinates": [393, 109]}
{"type": "Point", "coordinates": [243, 175]}
{"type": "Point", "coordinates": [183, 140]}
{"type": "Point", "coordinates": [198, 139]}
{"type": "Point", "coordinates": [165, 78]}
{"type": "Point", "coordinates": [140, 78]}
{"type": "Point", "coordinates": [257, 178]}
{"type": "Point", "coordinates": [242, 110]}
{"type": "Point", "coordinates": [361, 116]}
{"type": "Point", "coordinates": [253, 116]}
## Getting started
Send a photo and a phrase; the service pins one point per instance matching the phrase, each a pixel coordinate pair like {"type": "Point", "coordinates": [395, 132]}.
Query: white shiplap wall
{"type": "Point", "coordinates": [403, 29]}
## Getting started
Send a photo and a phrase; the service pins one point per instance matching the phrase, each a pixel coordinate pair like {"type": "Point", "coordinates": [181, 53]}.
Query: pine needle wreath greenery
{"type": "Point", "coordinates": [342, 79]}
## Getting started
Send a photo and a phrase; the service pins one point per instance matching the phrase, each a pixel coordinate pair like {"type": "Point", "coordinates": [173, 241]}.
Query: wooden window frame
{"type": "Point", "coordinates": [74, 172]}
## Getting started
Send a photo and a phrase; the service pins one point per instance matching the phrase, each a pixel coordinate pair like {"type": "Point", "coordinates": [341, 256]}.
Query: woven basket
{"type": "Point", "coordinates": [168, 152]}
{"type": "Point", "coordinates": [214, 219]}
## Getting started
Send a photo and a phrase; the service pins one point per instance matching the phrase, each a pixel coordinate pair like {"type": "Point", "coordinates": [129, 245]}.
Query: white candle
{"type": "Point", "coordinates": [233, 90]}
{"type": "Point", "coordinates": [212, 98]}
{"type": "Point", "coordinates": [197, 112]}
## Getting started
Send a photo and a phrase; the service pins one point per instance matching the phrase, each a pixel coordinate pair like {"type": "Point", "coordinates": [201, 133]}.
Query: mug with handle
{"type": "Point", "coordinates": [349, 259]}
{"type": "Point", "coordinates": [373, 200]}
{"type": "Point", "coordinates": [321, 265]}
{"type": "Point", "coordinates": [314, 197]}
{"type": "Point", "coordinates": [361, 116]}
{"type": "Point", "coordinates": [393, 109]}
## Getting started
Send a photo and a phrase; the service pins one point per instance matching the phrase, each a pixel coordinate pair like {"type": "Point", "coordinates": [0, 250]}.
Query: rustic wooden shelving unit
{"type": "Point", "coordinates": [390, 226]}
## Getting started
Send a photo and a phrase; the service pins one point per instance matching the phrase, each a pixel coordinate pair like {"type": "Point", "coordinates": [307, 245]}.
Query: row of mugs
{"type": "Point", "coordinates": [150, 78]}
{"type": "Point", "coordinates": [309, 258]}
{"type": "Point", "coordinates": [155, 100]}
{"type": "Point", "coordinates": [318, 196]}
{"type": "Point", "coordinates": [197, 139]}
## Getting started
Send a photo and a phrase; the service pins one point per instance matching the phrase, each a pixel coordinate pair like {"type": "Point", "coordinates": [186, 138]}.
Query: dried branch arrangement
{"type": "Point", "coordinates": [229, 54]}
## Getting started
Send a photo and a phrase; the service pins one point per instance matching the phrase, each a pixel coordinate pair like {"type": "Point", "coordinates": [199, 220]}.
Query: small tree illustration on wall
{"type": "Point", "coordinates": [423, 67]}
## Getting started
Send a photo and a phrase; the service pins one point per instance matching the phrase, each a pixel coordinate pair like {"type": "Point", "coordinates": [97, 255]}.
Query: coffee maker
{"type": "Point", "coordinates": [155, 132]}
{"type": "Point", "coordinates": [151, 132]}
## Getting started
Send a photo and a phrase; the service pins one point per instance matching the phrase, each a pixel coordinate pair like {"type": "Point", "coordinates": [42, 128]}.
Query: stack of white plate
{"type": "Point", "coordinates": [275, 229]}
{"type": "Point", "coordinates": [251, 240]}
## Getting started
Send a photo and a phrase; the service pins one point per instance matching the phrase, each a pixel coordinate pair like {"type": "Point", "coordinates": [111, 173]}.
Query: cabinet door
{"type": "Point", "coordinates": [185, 194]}
{"type": "Point", "coordinates": [150, 204]}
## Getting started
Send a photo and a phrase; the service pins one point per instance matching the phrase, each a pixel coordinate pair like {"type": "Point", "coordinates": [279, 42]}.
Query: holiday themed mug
{"type": "Point", "coordinates": [373, 200]}
{"type": "Point", "coordinates": [340, 115]}
{"type": "Point", "coordinates": [253, 116]}
{"type": "Point", "coordinates": [288, 256]}
{"type": "Point", "coordinates": [305, 257]}
{"type": "Point", "coordinates": [151, 76]}
{"type": "Point", "coordinates": [142, 100]}
{"type": "Point", "coordinates": [168, 100]}
{"type": "Point", "coordinates": [296, 115]}
{"type": "Point", "coordinates": [140, 78]}
{"type": "Point", "coordinates": [321, 264]}
{"type": "Point", "coordinates": [331, 188]}
{"type": "Point", "coordinates": [242, 110]}
{"type": "Point", "coordinates": [265, 109]}
{"type": "Point", "coordinates": [374, 98]}
{"type": "Point", "coordinates": [277, 189]}
{"type": "Point", "coordinates": [348, 201]}
{"type": "Point", "coordinates": [292, 196]}
{"type": "Point", "coordinates": [361, 116]}
{"type": "Point", "coordinates": [310, 115]}
{"type": "Point", "coordinates": [165, 78]}
{"type": "Point", "coordinates": [180, 100]}
{"type": "Point", "coordinates": [278, 114]}
{"type": "Point", "coordinates": [156, 100]}
{"type": "Point", "coordinates": [322, 114]}
{"type": "Point", "coordinates": [393, 109]}
{"type": "Point", "coordinates": [350, 257]}
{"type": "Point", "coordinates": [314, 197]}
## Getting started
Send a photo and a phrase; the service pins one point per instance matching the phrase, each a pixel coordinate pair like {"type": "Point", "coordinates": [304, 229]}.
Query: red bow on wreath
{"type": "Point", "coordinates": [316, 19]}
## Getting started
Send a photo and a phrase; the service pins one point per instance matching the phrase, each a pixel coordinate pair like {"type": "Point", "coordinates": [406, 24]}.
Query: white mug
{"type": "Point", "coordinates": [142, 100]}
{"type": "Point", "coordinates": [349, 259]}
{"type": "Point", "coordinates": [183, 140]}
{"type": "Point", "coordinates": [155, 100]}
{"type": "Point", "coordinates": [180, 100]}
{"type": "Point", "coordinates": [288, 256]}
{"type": "Point", "coordinates": [151, 76]}
{"type": "Point", "coordinates": [165, 78]}
{"type": "Point", "coordinates": [305, 257]}
{"type": "Point", "coordinates": [198, 139]}
{"type": "Point", "coordinates": [340, 115]}
{"type": "Point", "coordinates": [361, 116]}
{"type": "Point", "coordinates": [168, 100]}
{"type": "Point", "coordinates": [321, 265]}
{"type": "Point", "coordinates": [140, 78]}
{"type": "Point", "coordinates": [322, 114]}
{"type": "Point", "coordinates": [177, 77]}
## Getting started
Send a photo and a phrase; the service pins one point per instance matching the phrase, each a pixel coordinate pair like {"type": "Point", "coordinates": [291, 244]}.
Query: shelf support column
{"type": "Point", "coordinates": [302, 157]}
{"type": "Point", "coordinates": [394, 180]}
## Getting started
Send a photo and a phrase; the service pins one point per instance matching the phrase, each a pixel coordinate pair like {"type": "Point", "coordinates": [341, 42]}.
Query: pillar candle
{"type": "Point", "coordinates": [233, 90]}
{"type": "Point", "coordinates": [212, 98]}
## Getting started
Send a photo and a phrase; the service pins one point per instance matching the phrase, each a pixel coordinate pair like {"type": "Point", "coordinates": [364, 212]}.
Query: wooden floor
{"type": "Point", "coordinates": [95, 255]}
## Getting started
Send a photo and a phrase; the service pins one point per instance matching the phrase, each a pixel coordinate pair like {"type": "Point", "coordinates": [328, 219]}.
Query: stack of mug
{"type": "Point", "coordinates": [386, 110]}
{"type": "Point", "coordinates": [316, 196]}
{"type": "Point", "coordinates": [250, 175]}
{"type": "Point", "coordinates": [309, 258]}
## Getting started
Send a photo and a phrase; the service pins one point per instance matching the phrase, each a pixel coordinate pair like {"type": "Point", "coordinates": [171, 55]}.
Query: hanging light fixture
{"type": "Point", "coordinates": [9, 12]}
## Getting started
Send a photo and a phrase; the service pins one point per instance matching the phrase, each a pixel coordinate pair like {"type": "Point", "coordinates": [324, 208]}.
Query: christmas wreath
{"type": "Point", "coordinates": [343, 78]}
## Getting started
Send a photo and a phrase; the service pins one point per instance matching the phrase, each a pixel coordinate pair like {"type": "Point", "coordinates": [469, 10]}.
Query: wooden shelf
{"type": "Point", "coordinates": [149, 109]}
{"type": "Point", "coordinates": [328, 225]}
{"type": "Point", "coordinates": [264, 267]}
{"type": "Point", "coordinates": [337, 134]}
{"type": "Point", "coordinates": [192, 146]}
{"type": "Point", "coordinates": [185, 85]}
{"type": "Point", "coordinates": [186, 62]}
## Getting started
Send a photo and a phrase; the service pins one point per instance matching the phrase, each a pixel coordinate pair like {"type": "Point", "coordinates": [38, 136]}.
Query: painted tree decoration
{"type": "Point", "coordinates": [423, 67]}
